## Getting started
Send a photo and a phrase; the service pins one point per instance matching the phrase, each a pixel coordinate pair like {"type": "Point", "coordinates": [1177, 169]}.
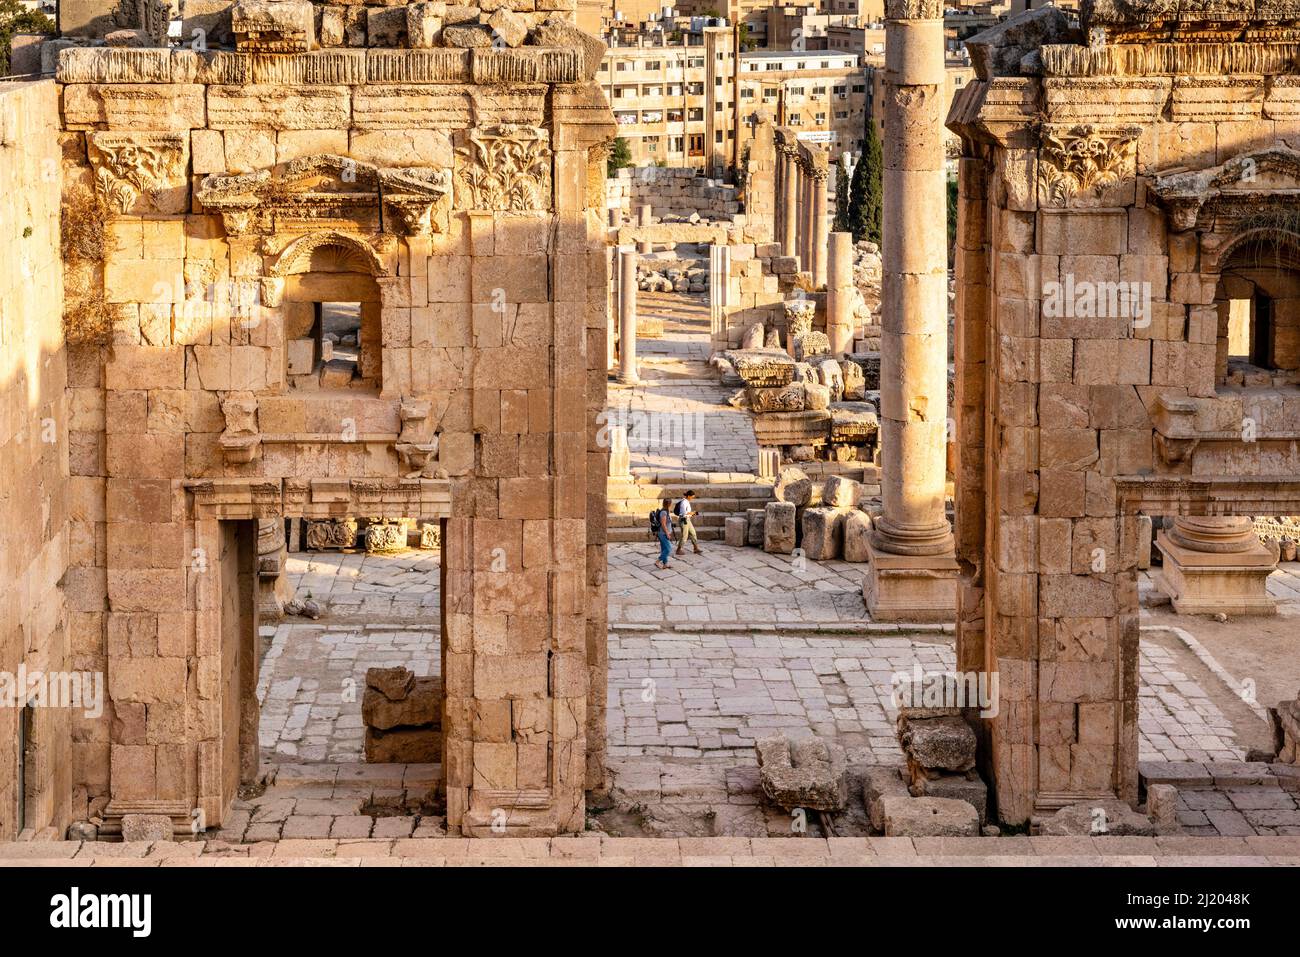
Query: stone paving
{"type": "Point", "coordinates": [602, 850]}
{"type": "Point", "coordinates": [704, 659]}
{"type": "Point", "coordinates": [680, 409]}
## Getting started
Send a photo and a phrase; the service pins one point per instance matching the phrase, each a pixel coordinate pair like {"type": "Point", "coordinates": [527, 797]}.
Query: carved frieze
{"type": "Point", "coordinates": [431, 536]}
{"type": "Point", "coordinates": [273, 26]}
{"type": "Point", "coordinates": [1077, 164]}
{"type": "Point", "coordinates": [328, 189]}
{"type": "Point", "coordinates": [761, 368]}
{"type": "Point", "coordinates": [134, 172]}
{"type": "Point", "coordinates": [332, 533]}
{"type": "Point", "coordinates": [504, 167]}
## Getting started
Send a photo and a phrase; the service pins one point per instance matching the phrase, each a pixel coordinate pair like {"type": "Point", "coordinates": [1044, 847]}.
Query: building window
{"type": "Point", "coordinates": [676, 144]}
{"type": "Point", "coordinates": [695, 114]}
{"type": "Point", "coordinates": [794, 119]}
{"type": "Point", "coordinates": [717, 137]}
{"type": "Point", "coordinates": [821, 119]}
{"type": "Point", "coordinates": [652, 64]}
{"type": "Point", "coordinates": [697, 144]}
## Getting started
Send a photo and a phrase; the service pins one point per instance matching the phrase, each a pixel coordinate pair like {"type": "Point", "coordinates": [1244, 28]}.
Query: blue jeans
{"type": "Point", "coordinates": [665, 546]}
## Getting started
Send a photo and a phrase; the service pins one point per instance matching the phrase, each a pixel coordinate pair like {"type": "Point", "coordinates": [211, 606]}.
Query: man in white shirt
{"type": "Point", "coordinates": [685, 511]}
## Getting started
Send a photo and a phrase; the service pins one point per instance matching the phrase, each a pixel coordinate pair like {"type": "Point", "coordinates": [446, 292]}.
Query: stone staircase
{"type": "Point", "coordinates": [717, 496]}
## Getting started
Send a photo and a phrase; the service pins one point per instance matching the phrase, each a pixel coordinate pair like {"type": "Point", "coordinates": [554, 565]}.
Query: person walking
{"type": "Point", "coordinates": [663, 530]}
{"type": "Point", "coordinates": [685, 514]}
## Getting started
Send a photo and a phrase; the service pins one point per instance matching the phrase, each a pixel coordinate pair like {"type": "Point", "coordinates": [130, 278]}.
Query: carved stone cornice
{"type": "Point", "coordinates": [504, 167]}
{"type": "Point", "coordinates": [132, 170]}
{"type": "Point", "coordinates": [1231, 191]}
{"type": "Point", "coordinates": [1080, 162]}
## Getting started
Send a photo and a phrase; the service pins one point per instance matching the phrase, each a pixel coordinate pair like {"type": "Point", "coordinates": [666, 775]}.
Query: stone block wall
{"type": "Point", "coordinates": [671, 193]}
{"type": "Point", "coordinates": [466, 217]}
{"type": "Point", "coordinates": [1065, 407]}
{"type": "Point", "coordinates": [34, 495]}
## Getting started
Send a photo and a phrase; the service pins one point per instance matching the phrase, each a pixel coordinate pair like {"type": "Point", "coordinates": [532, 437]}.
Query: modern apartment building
{"type": "Point", "coordinates": [689, 103]}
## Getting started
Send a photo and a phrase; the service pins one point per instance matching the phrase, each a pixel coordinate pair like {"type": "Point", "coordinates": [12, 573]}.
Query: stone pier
{"type": "Point", "coordinates": [913, 571]}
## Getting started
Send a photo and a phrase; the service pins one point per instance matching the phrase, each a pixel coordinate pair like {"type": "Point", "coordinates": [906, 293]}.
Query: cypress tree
{"type": "Point", "coordinates": [864, 194]}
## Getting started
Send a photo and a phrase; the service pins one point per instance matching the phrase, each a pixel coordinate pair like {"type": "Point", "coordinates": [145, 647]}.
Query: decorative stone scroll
{"type": "Point", "coordinates": [504, 167]}
{"type": "Point", "coordinates": [134, 171]}
{"type": "Point", "coordinates": [332, 533]}
{"type": "Point", "coordinates": [241, 440]}
{"type": "Point", "coordinates": [431, 536]}
{"type": "Point", "coordinates": [1076, 164]}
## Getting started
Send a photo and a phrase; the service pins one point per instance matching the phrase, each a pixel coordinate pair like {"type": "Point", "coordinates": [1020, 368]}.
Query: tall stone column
{"type": "Point", "coordinates": [839, 293]}
{"type": "Point", "coordinates": [627, 259]}
{"type": "Point", "coordinates": [820, 230]}
{"type": "Point", "coordinates": [789, 202]}
{"type": "Point", "coordinates": [913, 571]}
{"type": "Point", "coordinates": [1214, 565]}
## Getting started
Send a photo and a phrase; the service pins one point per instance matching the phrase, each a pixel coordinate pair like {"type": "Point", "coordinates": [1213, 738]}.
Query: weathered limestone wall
{"type": "Point", "coordinates": [458, 195]}
{"type": "Point", "coordinates": [33, 457]}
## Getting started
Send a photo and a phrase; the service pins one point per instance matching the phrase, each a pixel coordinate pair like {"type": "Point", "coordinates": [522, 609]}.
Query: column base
{"type": "Point", "coordinates": [1209, 583]}
{"type": "Point", "coordinates": [910, 588]}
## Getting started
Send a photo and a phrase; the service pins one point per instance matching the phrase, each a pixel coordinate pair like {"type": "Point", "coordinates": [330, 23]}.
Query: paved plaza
{"type": "Point", "coordinates": [704, 659]}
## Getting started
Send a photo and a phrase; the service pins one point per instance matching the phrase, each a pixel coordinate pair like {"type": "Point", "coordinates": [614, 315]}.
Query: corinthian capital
{"type": "Point", "coordinates": [913, 9]}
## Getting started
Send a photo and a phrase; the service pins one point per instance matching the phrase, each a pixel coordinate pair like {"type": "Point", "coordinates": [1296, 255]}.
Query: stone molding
{"type": "Point", "coordinates": [1232, 191]}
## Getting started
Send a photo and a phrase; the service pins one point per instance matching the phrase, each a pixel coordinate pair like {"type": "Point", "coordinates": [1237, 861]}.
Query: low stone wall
{"type": "Point", "coordinates": [671, 194]}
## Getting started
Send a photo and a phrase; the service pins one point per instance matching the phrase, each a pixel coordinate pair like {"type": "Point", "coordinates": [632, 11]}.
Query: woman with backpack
{"type": "Point", "coordinates": [661, 525]}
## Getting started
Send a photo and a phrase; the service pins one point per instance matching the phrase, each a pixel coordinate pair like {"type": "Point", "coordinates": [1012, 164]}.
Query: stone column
{"type": "Point", "coordinates": [627, 259]}
{"type": "Point", "coordinates": [912, 572]}
{"type": "Point", "coordinates": [839, 293]}
{"type": "Point", "coordinates": [820, 230]}
{"type": "Point", "coordinates": [805, 216]}
{"type": "Point", "coordinates": [789, 202]}
{"type": "Point", "coordinates": [644, 215]}
{"type": "Point", "coordinates": [719, 282]}
{"type": "Point", "coordinates": [1214, 565]}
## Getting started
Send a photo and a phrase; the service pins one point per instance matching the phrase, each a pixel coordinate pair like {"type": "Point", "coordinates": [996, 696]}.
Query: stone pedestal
{"type": "Point", "coordinates": [909, 588]}
{"type": "Point", "coordinates": [1214, 565]}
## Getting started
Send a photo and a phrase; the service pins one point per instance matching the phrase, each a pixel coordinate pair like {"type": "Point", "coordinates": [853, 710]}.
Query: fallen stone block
{"type": "Point", "coordinates": [928, 817]}
{"type": "Point", "coordinates": [422, 706]}
{"type": "Point", "coordinates": [840, 492]}
{"type": "Point", "coordinates": [755, 519]}
{"type": "Point", "coordinates": [956, 787]}
{"type": "Point", "coordinates": [823, 533]}
{"type": "Point", "coordinates": [794, 486]}
{"type": "Point", "coordinates": [808, 773]}
{"type": "Point", "coordinates": [882, 782]}
{"type": "Point", "coordinates": [1097, 819]}
{"type": "Point", "coordinates": [778, 528]}
{"type": "Point", "coordinates": [1162, 805]}
{"type": "Point", "coordinates": [735, 529]}
{"type": "Point", "coordinates": [941, 742]}
{"type": "Point", "coordinates": [857, 536]}
{"type": "Point", "coordinates": [403, 746]}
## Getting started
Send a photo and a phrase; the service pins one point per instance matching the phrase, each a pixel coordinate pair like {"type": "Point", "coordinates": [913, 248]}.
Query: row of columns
{"type": "Point", "coordinates": [802, 207]}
